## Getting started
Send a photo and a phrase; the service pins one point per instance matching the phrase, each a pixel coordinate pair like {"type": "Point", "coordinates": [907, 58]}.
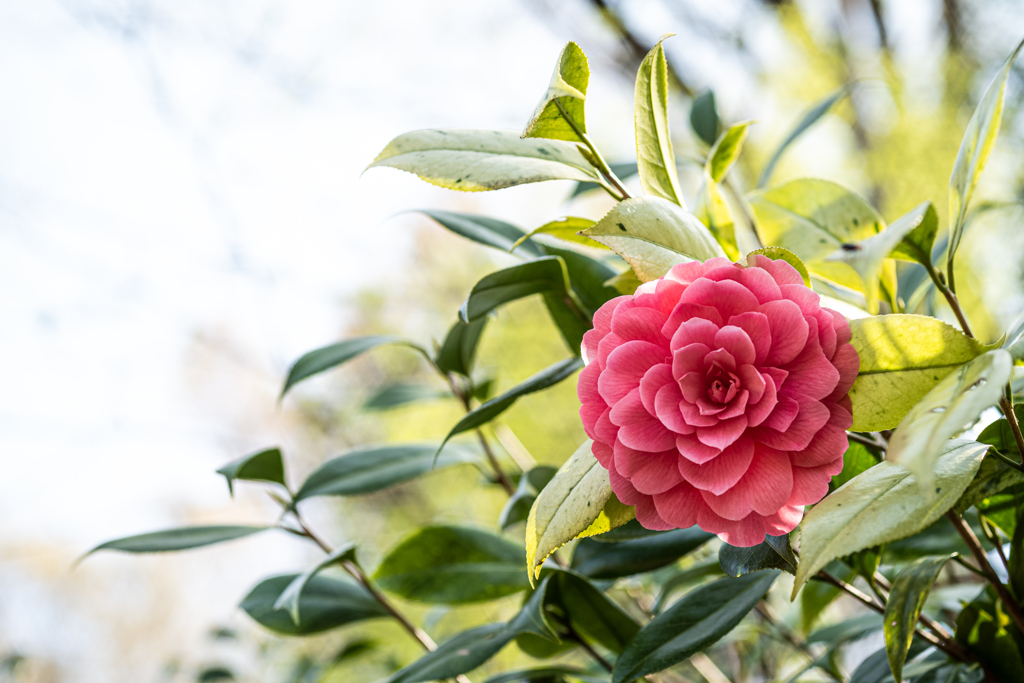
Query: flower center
{"type": "Point", "coordinates": [722, 385]}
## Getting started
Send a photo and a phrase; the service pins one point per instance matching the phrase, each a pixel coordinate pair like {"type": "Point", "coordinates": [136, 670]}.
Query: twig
{"type": "Point", "coordinates": [948, 292]}
{"type": "Point", "coordinates": [594, 654]}
{"type": "Point", "coordinates": [499, 473]}
{"type": "Point", "coordinates": [791, 637]}
{"type": "Point", "coordinates": [867, 441]}
{"type": "Point", "coordinates": [1010, 605]}
{"type": "Point", "coordinates": [601, 164]}
{"type": "Point", "coordinates": [1011, 419]}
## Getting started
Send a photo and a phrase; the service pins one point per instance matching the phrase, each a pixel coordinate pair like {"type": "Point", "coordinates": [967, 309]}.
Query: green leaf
{"type": "Point", "coordinates": [656, 162]}
{"type": "Point", "coordinates": [401, 394]}
{"type": "Point", "coordinates": [544, 379]}
{"type": "Point", "coordinates": [625, 283]}
{"type": "Point", "coordinates": [979, 139]}
{"type": "Point", "coordinates": [712, 210]}
{"type": "Point", "coordinates": [517, 509]}
{"type": "Point", "coordinates": [906, 600]}
{"type": "Point", "coordinates": [469, 649]}
{"type": "Point", "coordinates": [478, 160]}
{"type": "Point", "coordinates": [725, 151]}
{"type": "Point", "coordinates": [944, 411]}
{"type": "Point", "coordinates": [993, 477]}
{"type": "Point", "coordinates": [458, 352]}
{"type": "Point", "coordinates": [547, 674]}
{"type": "Point", "coordinates": [875, 668]}
{"type": "Point", "coordinates": [621, 171]}
{"type": "Point", "coordinates": [570, 324]}
{"type": "Point", "coordinates": [566, 229]}
{"type": "Point", "coordinates": [857, 459]}
{"type": "Point", "coordinates": [588, 277]}
{"type": "Point", "coordinates": [902, 357]}
{"type": "Point", "coordinates": [704, 117]}
{"type": "Point", "coordinates": [817, 595]}
{"type": "Point", "coordinates": [325, 603]}
{"type": "Point", "coordinates": [591, 613]}
{"type": "Point", "coordinates": [489, 232]}
{"type": "Point", "coordinates": [291, 597]}
{"type": "Point", "coordinates": [328, 357]}
{"type": "Point", "coordinates": [999, 434]}
{"type": "Point", "coordinates": [653, 235]}
{"type": "Point", "coordinates": [372, 468]}
{"type": "Point", "coordinates": [1014, 343]}
{"type": "Point", "coordinates": [545, 274]}
{"type": "Point", "coordinates": [602, 560]}
{"type": "Point", "coordinates": [891, 498]}
{"type": "Point", "coordinates": [870, 257]}
{"type": "Point", "coordinates": [985, 629]}
{"type": "Point", "coordinates": [452, 565]}
{"type": "Point", "coordinates": [808, 120]}
{"type": "Point", "coordinates": [563, 100]}
{"type": "Point", "coordinates": [184, 538]}
{"type": "Point", "coordinates": [780, 254]}
{"type": "Point", "coordinates": [687, 577]}
{"type": "Point", "coordinates": [812, 218]}
{"type": "Point", "coordinates": [851, 629]}
{"type": "Point", "coordinates": [917, 245]}
{"type": "Point", "coordinates": [698, 619]}
{"type": "Point", "coordinates": [263, 466]}
{"type": "Point", "coordinates": [774, 552]}
{"type": "Point", "coordinates": [568, 505]}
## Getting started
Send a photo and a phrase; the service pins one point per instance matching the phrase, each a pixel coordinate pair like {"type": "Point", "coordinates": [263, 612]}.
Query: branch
{"type": "Point", "coordinates": [979, 555]}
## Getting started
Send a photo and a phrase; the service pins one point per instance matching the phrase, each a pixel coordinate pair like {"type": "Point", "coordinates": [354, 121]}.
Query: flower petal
{"type": "Point", "coordinates": [639, 429]}
{"type": "Point", "coordinates": [722, 472]}
{"type": "Point", "coordinates": [789, 331]}
{"type": "Point", "coordinates": [737, 342]}
{"type": "Point", "coordinates": [758, 330]}
{"type": "Point", "coordinates": [693, 450]}
{"type": "Point", "coordinates": [625, 366]}
{"type": "Point", "coordinates": [723, 434]}
{"type": "Point", "coordinates": [727, 296]}
{"type": "Point", "coordinates": [765, 487]}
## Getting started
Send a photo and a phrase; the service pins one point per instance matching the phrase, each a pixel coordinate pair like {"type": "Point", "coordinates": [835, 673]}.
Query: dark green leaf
{"type": "Point", "coordinates": [402, 393]}
{"type": "Point", "coordinates": [458, 352]}
{"type": "Point", "coordinates": [487, 231]}
{"type": "Point", "coordinates": [956, 672]}
{"type": "Point", "coordinates": [984, 629]}
{"type": "Point", "coordinates": [612, 560]}
{"type": "Point", "coordinates": [593, 614]}
{"type": "Point", "coordinates": [547, 674]}
{"type": "Point", "coordinates": [571, 326]}
{"type": "Point", "coordinates": [704, 117]}
{"type": "Point", "coordinates": [1016, 568]}
{"type": "Point", "coordinates": [353, 649]}
{"type": "Point", "coordinates": [216, 673]}
{"type": "Point", "coordinates": [815, 596]}
{"type": "Point", "coordinates": [183, 538]}
{"type": "Point", "coordinates": [875, 669]}
{"type": "Point", "coordinates": [865, 562]}
{"type": "Point", "coordinates": [544, 379]}
{"type": "Point", "coordinates": [1003, 509]}
{"type": "Point", "coordinates": [469, 649]}
{"type": "Point", "coordinates": [453, 565]}
{"type": "Point", "coordinates": [373, 468]}
{"type": "Point", "coordinates": [993, 476]}
{"type": "Point", "coordinates": [808, 120]}
{"type": "Point", "coordinates": [325, 603]}
{"type": "Point", "coordinates": [627, 532]}
{"type": "Point", "coordinates": [621, 171]}
{"type": "Point", "coordinates": [939, 538]}
{"type": "Point", "coordinates": [588, 277]}
{"type": "Point", "coordinates": [774, 552]}
{"type": "Point", "coordinates": [1000, 435]}
{"type": "Point", "coordinates": [906, 600]}
{"type": "Point", "coordinates": [695, 574]}
{"type": "Point", "coordinates": [697, 620]}
{"type": "Point", "coordinates": [266, 465]}
{"type": "Point", "coordinates": [291, 597]}
{"type": "Point", "coordinates": [851, 629]}
{"type": "Point", "coordinates": [518, 506]}
{"type": "Point", "coordinates": [546, 274]}
{"type": "Point", "coordinates": [332, 356]}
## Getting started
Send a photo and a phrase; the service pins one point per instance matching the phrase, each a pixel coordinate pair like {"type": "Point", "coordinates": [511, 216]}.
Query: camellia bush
{"type": "Point", "coordinates": [723, 396]}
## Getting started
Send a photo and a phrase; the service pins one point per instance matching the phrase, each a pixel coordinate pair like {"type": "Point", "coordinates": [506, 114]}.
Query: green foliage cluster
{"type": "Point", "coordinates": [917, 500]}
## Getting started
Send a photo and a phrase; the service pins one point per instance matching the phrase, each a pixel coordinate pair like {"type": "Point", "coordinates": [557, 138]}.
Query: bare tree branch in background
{"type": "Point", "coordinates": [637, 48]}
{"type": "Point", "coordinates": [952, 17]}
{"type": "Point", "coordinates": [883, 33]}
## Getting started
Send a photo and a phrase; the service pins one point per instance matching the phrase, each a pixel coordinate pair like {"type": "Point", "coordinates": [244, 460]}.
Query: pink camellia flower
{"type": "Point", "coordinates": [717, 396]}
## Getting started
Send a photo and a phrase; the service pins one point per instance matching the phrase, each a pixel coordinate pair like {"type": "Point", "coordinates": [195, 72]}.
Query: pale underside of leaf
{"type": "Point", "coordinates": [890, 497]}
{"type": "Point", "coordinates": [566, 507]}
{"type": "Point", "coordinates": [655, 159]}
{"type": "Point", "coordinates": [901, 358]}
{"type": "Point", "coordinates": [652, 235]}
{"type": "Point", "coordinates": [945, 411]}
{"type": "Point", "coordinates": [478, 160]}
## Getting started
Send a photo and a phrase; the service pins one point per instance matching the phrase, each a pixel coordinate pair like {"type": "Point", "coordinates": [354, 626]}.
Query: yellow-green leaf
{"type": "Point", "coordinates": [944, 412]}
{"type": "Point", "coordinates": [906, 600]}
{"type": "Point", "coordinates": [656, 162]}
{"type": "Point", "coordinates": [568, 506]}
{"type": "Point", "coordinates": [917, 245]}
{"type": "Point", "coordinates": [653, 234]}
{"type": "Point", "coordinates": [725, 151]}
{"type": "Point", "coordinates": [566, 228]}
{"type": "Point", "coordinates": [563, 100]}
{"type": "Point", "coordinates": [478, 160]}
{"type": "Point", "coordinates": [870, 257]}
{"type": "Point", "coordinates": [901, 358]}
{"type": "Point", "coordinates": [713, 211]}
{"type": "Point", "coordinates": [891, 499]}
{"type": "Point", "coordinates": [778, 253]}
{"type": "Point", "coordinates": [979, 138]}
{"type": "Point", "coordinates": [812, 218]}
{"type": "Point", "coordinates": [625, 282]}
